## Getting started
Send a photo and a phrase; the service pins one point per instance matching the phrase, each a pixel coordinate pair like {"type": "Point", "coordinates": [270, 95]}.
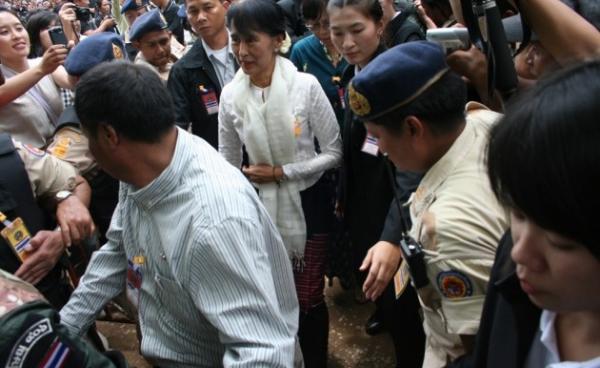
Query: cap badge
{"type": "Point", "coordinates": [117, 53]}
{"type": "Point", "coordinates": [359, 103]}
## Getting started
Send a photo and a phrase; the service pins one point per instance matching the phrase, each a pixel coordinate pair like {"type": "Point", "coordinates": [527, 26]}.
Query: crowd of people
{"type": "Point", "coordinates": [206, 164]}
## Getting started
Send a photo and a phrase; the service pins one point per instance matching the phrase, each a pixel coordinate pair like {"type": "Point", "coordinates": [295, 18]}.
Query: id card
{"type": "Point", "coordinates": [341, 94]}
{"type": "Point", "coordinates": [209, 99]}
{"type": "Point", "coordinates": [401, 279]}
{"type": "Point", "coordinates": [371, 145]}
{"type": "Point", "coordinates": [18, 237]}
{"type": "Point", "coordinates": [134, 280]}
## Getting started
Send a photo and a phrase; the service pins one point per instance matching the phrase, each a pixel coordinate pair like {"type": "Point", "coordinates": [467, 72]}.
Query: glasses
{"type": "Point", "coordinates": [318, 26]}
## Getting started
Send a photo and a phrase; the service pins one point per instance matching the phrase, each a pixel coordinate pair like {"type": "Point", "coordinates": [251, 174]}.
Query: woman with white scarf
{"type": "Point", "coordinates": [277, 114]}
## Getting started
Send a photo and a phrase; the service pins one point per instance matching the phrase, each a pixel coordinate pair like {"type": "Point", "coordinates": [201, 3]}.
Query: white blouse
{"type": "Point", "coordinates": [314, 118]}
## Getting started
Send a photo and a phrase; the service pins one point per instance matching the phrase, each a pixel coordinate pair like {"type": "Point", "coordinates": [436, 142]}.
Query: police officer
{"type": "Point", "coordinates": [29, 176]}
{"type": "Point", "coordinates": [158, 48]}
{"type": "Point", "coordinates": [422, 127]}
{"type": "Point", "coordinates": [169, 10]}
{"type": "Point", "coordinates": [70, 145]}
{"type": "Point", "coordinates": [132, 9]}
{"type": "Point", "coordinates": [196, 80]}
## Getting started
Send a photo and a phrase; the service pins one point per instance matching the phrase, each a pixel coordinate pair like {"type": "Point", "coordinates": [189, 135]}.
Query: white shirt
{"type": "Point", "coordinates": [544, 350]}
{"type": "Point", "coordinates": [223, 62]}
{"type": "Point", "coordinates": [315, 119]}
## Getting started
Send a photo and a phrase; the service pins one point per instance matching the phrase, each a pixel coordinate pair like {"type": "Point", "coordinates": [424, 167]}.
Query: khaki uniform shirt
{"type": "Point", "coordinates": [70, 145]}
{"type": "Point", "coordinates": [47, 174]}
{"type": "Point", "coordinates": [459, 222]}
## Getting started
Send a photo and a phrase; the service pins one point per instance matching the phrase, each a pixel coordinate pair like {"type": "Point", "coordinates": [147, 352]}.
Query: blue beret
{"type": "Point", "coordinates": [395, 78]}
{"type": "Point", "coordinates": [147, 22]}
{"type": "Point", "coordinates": [132, 5]}
{"type": "Point", "coordinates": [94, 50]}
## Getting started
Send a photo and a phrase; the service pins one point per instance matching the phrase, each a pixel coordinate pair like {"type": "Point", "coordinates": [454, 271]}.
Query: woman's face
{"type": "Point", "coordinates": [557, 273]}
{"type": "Point", "coordinates": [14, 40]}
{"type": "Point", "coordinates": [355, 35]}
{"type": "Point", "coordinates": [256, 52]}
{"type": "Point", "coordinates": [45, 40]}
{"type": "Point", "coordinates": [320, 28]}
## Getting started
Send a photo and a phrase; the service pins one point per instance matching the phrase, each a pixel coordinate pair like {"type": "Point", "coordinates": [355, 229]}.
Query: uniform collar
{"type": "Point", "coordinates": [168, 180]}
{"type": "Point", "coordinates": [440, 171]}
{"type": "Point", "coordinates": [210, 52]}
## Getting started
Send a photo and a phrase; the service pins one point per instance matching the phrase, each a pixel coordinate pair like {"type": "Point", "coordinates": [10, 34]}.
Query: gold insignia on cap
{"type": "Point", "coordinates": [117, 53]}
{"type": "Point", "coordinates": [359, 103]}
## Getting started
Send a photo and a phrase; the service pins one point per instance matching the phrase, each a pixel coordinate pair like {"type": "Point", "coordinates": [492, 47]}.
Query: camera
{"type": "Point", "coordinates": [451, 39]}
{"type": "Point", "coordinates": [82, 14]}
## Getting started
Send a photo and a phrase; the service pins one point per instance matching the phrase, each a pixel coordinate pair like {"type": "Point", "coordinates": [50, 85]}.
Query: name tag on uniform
{"type": "Point", "coordinates": [134, 279]}
{"type": "Point", "coordinates": [209, 99]}
{"type": "Point", "coordinates": [371, 145]}
{"type": "Point", "coordinates": [18, 237]}
{"type": "Point", "coordinates": [401, 279]}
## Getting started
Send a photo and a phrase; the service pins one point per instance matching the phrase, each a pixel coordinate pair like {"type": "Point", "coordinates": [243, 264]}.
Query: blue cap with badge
{"type": "Point", "coordinates": [133, 5]}
{"type": "Point", "coordinates": [148, 22]}
{"type": "Point", "coordinates": [395, 78]}
{"type": "Point", "coordinates": [93, 50]}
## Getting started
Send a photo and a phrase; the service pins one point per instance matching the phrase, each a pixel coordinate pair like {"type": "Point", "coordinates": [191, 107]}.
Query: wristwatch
{"type": "Point", "coordinates": [62, 195]}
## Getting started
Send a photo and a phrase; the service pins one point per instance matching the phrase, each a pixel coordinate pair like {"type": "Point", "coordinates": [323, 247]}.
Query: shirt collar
{"type": "Point", "coordinates": [168, 180]}
{"type": "Point", "coordinates": [210, 52]}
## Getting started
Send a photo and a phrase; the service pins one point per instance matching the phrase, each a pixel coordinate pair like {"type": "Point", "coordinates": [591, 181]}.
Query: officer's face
{"type": "Point", "coordinates": [207, 17]}
{"type": "Point", "coordinates": [556, 272]}
{"type": "Point", "coordinates": [132, 15]}
{"type": "Point", "coordinates": [156, 47]}
{"type": "Point", "coordinates": [255, 53]}
{"type": "Point", "coordinates": [14, 40]}
{"type": "Point", "coordinates": [396, 145]}
{"type": "Point", "coordinates": [355, 35]}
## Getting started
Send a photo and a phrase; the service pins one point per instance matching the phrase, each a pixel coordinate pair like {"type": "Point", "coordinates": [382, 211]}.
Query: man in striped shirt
{"type": "Point", "coordinates": [189, 236]}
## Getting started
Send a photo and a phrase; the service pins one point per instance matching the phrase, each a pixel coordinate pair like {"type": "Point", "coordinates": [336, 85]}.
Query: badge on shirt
{"type": "Point", "coordinates": [454, 284]}
{"type": "Point", "coordinates": [134, 279]}
{"type": "Point", "coordinates": [61, 148]}
{"type": "Point", "coordinates": [371, 145]}
{"type": "Point", "coordinates": [18, 237]}
{"type": "Point", "coordinates": [297, 127]}
{"type": "Point", "coordinates": [401, 279]}
{"type": "Point", "coordinates": [341, 94]}
{"type": "Point", "coordinates": [209, 99]}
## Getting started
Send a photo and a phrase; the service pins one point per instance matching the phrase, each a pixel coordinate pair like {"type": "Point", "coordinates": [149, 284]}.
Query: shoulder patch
{"type": "Point", "coordinates": [454, 284]}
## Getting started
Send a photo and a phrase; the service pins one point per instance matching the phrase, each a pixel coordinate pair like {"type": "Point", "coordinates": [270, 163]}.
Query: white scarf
{"type": "Point", "coordinates": [269, 139]}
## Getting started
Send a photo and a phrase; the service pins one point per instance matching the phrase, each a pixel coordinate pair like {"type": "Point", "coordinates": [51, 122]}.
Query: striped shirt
{"type": "Point", "coordinates": [217, 286]}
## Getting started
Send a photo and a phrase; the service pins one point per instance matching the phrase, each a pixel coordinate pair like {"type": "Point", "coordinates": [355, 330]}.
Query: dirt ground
{"type": "Point", "coordinates": [349, 345]}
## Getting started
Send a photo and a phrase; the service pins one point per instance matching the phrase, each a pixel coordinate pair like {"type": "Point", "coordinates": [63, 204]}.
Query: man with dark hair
{"type": "Point", "coordinates": [455, 216]}
{"type": "Point", "coordinates": [196, 81]}
{"type": "Point", "coordinates": [158, 48]}
{"type": "Point", "coordinates": [169, 10]}
{"type": "Point", "coordinates": [213, 280]}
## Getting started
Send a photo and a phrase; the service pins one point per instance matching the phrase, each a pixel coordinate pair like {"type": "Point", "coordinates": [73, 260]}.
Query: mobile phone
{"type": "Point", "coordinates": [57, 36]}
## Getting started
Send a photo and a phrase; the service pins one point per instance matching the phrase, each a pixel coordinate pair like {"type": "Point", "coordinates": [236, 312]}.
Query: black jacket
{"type": "Point", "coordinates": [404, 28]}
{"type": "Point", "coordinates": [193, 70]}
{"type": "Point", "coordinates": [509, 320]}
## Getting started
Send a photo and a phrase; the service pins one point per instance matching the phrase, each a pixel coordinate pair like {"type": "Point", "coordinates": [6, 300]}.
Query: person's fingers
{"type": "Point", "coordinates": [367, 261]}
{"type": "Point", "coordinates": [75, 234]}
{"type": "Point", "coordinates": [371, 278]}
{"type": "Point", "coordinates": [65, 233]}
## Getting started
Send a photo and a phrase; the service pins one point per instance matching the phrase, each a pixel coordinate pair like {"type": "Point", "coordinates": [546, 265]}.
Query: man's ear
{"type": "Point", "coordinates": [109, 135]}
{"type": "Point", "coordinates": [414, 126]}
{"type": "Point", "coordinates": [226, 4]}
{"type": "Point", "coordinates": [136, 44]}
